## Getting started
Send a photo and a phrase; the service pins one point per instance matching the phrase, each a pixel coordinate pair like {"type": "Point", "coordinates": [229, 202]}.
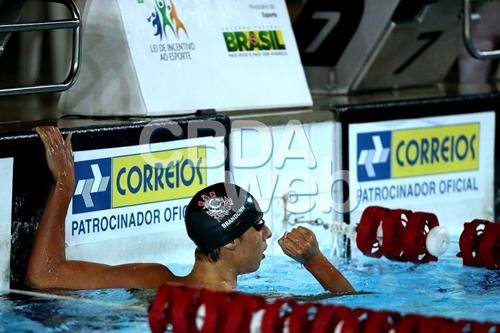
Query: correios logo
{"type": "Point", "coordinates": [93, 186]}
{"type": "Point", "coordinates": [373, 154]}
{"type": "Point", "coordinates": [417, 151]}
{"type": "Point", "coordinates": [139, 179]}
{"type": "Point", "coordinates": [165, 20]}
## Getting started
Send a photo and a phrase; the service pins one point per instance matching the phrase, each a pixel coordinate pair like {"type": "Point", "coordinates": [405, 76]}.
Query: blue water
{"type": "Point", "coordinates": [112, 310]}
{"type": "Point", "coordinates": [445, 288]}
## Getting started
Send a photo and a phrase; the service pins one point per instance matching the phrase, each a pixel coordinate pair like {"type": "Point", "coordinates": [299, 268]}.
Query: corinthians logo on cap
{"type": "Point", "coordinates": [217, 207]}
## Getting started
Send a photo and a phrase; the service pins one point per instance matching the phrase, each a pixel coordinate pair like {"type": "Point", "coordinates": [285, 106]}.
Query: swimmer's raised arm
{"type": "Point", "coordinates": [301, 245]}
{"type": "Point", "coordinates": [48, 267]}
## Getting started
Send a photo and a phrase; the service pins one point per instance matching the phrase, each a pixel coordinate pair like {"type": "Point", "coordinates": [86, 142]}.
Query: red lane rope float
{"type": "Point", "coordinates": [489, 247]}
{"type": "Point", "coordinates": [178, 309]}
{"type": "Point", "coordinates": [301, 318]}
{"type": "Point", "coordinates": [328, 317]}
{"type": "Point", "coordinates": [366, 238]}
{"type": "Point", "coordinates": [187, 302]}
{"type": "Point", "coordinates": [159, 312]}
{"type": "Point", "coordinates": [215, 304]}
{"type": "Point", "coordinates": [242, 307]}
{"type": "Point", "coordinates": [411, 324]}
{"type": "Point", "coordinates": [393, 229]}
{"type": "Point", "coordinates": [381, 321]}
{"type": "Point", "coordinates": [415, 235]}
{"type": "Point", "coordinates": [467, 326]}
{"type": "Point", "coordinates": [354, 321]}
{"type": "Point", "coordinates": [480, 244]}
{"type": "Point", "coordinates": [276, 314]}
{"type": "Point", "coordinates": [397, 234]}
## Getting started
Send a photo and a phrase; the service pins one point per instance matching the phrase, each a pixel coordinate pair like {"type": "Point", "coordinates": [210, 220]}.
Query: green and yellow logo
{"type": "Point", "coordinates": [249, 41]}
{"type": "Point", "coordinates": [159, 176]}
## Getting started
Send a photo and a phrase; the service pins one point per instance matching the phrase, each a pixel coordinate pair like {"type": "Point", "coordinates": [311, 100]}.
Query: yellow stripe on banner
{"type": "Point", "coordinates": [158, 176]}
{"type": "Point", "coordinates": [434, 150]}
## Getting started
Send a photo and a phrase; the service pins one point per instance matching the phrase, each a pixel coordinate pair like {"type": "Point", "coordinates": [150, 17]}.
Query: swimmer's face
{"type": "Point", "coordinates": [252, 246]}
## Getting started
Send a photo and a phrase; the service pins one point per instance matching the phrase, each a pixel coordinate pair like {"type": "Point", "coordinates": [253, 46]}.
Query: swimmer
{"type": "Point", "coordinates": [223, 220]}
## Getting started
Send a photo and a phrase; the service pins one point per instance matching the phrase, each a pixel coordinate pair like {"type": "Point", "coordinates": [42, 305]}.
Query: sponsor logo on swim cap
{"type": "Point", "coordinates": [233, 218]}
{"type": "Point", "coordinates": [217, 207]}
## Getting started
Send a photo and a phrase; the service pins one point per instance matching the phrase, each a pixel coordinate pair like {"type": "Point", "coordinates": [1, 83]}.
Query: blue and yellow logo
{"type": "Point", "coordinates": [139, 179]}
{"type": "Point", "coordinates": [165, 18]}
{"type": "Point", "coordinates": [418, 152]}
{"type": "Point", "coordinates": [92, 190]}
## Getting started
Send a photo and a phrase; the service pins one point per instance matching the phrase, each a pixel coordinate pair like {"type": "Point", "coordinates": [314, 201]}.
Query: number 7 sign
{"type": "Point", "coordinates": [357, 45]}
{"type": "Point", "coordinates": [324, 29]}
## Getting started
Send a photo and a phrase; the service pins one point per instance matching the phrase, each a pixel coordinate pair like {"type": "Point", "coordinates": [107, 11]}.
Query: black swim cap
{"type": "Point", "coordinates": [219, 214]}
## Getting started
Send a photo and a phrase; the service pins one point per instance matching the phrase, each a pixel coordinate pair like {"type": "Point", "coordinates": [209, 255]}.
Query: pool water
{"type": "Point", "coordinates": [445, 288]}
{"type": "Point", "coordinates": [112, 310]}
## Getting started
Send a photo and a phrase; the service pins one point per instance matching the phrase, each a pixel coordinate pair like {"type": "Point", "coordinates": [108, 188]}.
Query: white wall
{"type": "Point", "coordinates": [5, 221]}
{"type": "Point", "coordinates": [289, 158]}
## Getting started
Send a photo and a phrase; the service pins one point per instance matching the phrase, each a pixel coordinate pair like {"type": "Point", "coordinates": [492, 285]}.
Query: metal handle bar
{"type": "Point", "coordinates": [469, 44]}
{"type": "Point", "coordinates": [74, 24]}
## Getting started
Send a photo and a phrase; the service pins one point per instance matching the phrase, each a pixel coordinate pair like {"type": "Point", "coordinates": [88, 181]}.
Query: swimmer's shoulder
{"type": "Point", "coordinates": [148, 275]}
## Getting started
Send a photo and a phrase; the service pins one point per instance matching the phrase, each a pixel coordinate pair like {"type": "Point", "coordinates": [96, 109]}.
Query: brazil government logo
{"type": "Point", "coordinates": [417, 151]}
{"type": "Point", "coordinates": [252, 41]}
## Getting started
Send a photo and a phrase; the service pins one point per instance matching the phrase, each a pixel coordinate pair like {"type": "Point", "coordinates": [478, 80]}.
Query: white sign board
{"type": "Point", "coordinates": [131, 198]}
{"type": "Point", "coordinates": [223, 55]}
{"type": "Point", "coordinates": [6, 167]}
{"type": "Point", "coordinates": [443, 165]}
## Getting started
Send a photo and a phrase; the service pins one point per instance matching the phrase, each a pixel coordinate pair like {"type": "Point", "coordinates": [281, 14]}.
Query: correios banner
{"type": "Point", "coordinates": [443, 165]}
{"type": "Point", "coordinates": [140, 190]}
{"type": "Point", "coordinates": [223, 55]}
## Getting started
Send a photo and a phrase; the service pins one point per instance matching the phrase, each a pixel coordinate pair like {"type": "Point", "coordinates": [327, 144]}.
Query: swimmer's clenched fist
{"type": "Point", "coordinates": [300, 244]}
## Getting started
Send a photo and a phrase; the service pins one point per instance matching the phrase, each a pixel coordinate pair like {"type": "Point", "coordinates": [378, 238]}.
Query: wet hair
{"type": "Point", "coordinates": [212, 256]}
